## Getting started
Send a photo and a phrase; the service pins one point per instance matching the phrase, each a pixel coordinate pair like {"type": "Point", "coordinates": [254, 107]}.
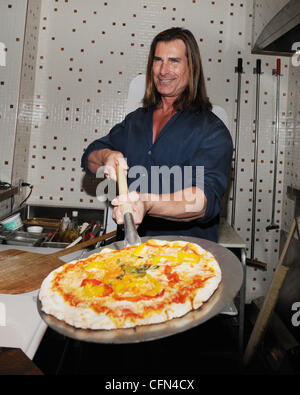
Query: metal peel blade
{"type": "Point", "coordinates": [131, 235]}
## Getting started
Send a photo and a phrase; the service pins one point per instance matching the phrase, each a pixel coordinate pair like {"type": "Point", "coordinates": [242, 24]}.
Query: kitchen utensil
{"type": "Point", "coordinates": [22, 271]}
{"type": "Point", "coordinates": [232, 277]}
{"type": "Point", "coordinates": [80, 237]}
{"type": "Point", "coordinates": [94, 233]}
{"type": "Point", "coordinates": [277, 73]}
{"type": "Point", "coordinates": [239, 70]}
{"type": "Point", "coordinates": [131, 235]}
{"type": "Point", "coordinates": [252, 261]}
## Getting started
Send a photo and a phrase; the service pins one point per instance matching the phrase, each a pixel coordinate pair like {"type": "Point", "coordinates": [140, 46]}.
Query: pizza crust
{"type": "Point", "coordinates": [83, 317]}
{"type": "Point", "coordinates": [53, 303]}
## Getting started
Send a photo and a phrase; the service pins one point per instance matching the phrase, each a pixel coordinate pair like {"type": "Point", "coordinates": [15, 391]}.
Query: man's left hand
{"type": "Point", "coordinates": [138, 207]}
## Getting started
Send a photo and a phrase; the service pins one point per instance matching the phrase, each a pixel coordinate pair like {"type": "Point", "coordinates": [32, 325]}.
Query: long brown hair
{"type": "Point", "coordinates": [194, 98]}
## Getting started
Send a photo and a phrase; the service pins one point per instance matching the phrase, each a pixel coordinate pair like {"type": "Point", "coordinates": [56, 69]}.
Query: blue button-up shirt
{"type": "Point", "coordinates": [188, 146]}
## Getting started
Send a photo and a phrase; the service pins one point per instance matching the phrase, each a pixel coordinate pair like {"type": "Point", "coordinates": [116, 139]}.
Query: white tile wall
{"type": "Point", "coordinates": [87, 54]}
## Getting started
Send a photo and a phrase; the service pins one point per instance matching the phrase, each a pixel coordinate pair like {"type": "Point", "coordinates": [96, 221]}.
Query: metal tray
{"type": "Point", "coordinates": [25, 238]}
{"type": "Point", "coordinates": [232, 277]}
{"type": "Point", "coordinates": [55, 244]}
{"type": "Point", "coordinates": [4, 234]}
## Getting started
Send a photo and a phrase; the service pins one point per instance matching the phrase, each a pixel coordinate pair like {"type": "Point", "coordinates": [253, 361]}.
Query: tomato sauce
{"type": "Point", "coordinates": [179, 295]}
{"type": "Point", "coordinates": [139, 297]}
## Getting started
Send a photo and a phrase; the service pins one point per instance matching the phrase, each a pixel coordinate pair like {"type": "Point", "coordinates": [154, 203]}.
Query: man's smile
{"type": "Point", "coordinates": [165, 80]}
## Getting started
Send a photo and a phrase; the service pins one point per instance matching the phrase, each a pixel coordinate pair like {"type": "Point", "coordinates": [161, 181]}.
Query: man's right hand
{"type": "Point", "coordinates": [109, 160]}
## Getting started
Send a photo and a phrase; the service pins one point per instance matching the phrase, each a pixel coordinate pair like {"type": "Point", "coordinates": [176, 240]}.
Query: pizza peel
{"type": "Point", "coordinates": [232, 277]}
{"type": "Point", "coordinates": [131, 234]}
{"type": "Point", "coordinates": [23, 271]}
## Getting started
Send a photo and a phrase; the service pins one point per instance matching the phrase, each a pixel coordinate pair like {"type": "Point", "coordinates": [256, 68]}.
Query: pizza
{"type": "Point", "coordinates": [153, 282]}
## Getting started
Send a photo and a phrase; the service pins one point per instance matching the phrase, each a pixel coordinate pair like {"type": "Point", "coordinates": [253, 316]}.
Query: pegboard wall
{"type": "Point", "coordinates": [292, 145]}
{"type": "Point", "coordinates": [86, 55]}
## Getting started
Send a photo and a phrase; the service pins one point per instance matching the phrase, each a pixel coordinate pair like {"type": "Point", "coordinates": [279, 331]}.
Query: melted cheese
{"type": "Point", "coordinates": [133, 286]}
{"type": "Point", "coordinates": [112, 279]}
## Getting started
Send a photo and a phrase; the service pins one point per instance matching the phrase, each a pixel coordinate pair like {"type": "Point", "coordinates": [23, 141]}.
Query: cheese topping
{"type": "Point", "coordinates": [153, 273]}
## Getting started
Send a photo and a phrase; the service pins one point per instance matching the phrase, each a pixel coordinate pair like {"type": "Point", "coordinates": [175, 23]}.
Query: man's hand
{"type": "Point", "coordinates": [185, 205]}
{"type": "Point", "coordinates": [109, 160]}
{"type": "Point", "coordinates": [138, 207]}
{"type": "Point", "coordinates": [112, 159]}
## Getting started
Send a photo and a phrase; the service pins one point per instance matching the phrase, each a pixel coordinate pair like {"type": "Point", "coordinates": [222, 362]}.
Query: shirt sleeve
{"type": "Point", "coordinates": [114, 140]}
{"type": "Point", "coordinates": [215, 155]}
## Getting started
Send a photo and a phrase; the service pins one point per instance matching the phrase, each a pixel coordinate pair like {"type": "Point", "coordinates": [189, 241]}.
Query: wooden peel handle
{"type": "Point", "coordinates": [123, 189]}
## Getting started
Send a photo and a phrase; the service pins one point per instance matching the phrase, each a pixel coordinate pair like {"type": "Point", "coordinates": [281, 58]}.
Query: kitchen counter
{"type": "Point", "coordinates": [20, 323]}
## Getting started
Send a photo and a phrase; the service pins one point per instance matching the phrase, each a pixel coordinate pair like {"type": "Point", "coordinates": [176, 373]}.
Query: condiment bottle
{"type": "Point", "coordinates": [74, 227]}
{"type": "Point", "coordinates": [64, 223]}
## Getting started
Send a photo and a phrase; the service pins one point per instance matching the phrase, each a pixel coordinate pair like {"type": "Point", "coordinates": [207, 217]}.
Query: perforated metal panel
{"type": "Point", "coordinates": [292, 144]}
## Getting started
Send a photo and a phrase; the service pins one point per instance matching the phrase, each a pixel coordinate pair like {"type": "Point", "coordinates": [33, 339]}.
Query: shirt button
{"type": "Point", "coordinates": [149, 152]}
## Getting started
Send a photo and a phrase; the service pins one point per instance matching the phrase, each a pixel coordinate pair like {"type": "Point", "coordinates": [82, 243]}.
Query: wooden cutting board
{"type": "Point", "coordinates": [23, 271]}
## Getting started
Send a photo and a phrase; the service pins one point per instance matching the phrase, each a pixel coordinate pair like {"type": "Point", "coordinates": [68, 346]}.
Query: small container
{"type": "Point", "coordinates": [13, 223]}
{"type": "Point", "coordinates": [35, 229]}
{"type": "Point", "coordinates": [75, 219]}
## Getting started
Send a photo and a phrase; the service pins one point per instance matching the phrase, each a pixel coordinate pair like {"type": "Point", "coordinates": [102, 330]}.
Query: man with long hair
{"type": "Point", "coordinates": [176, 131]}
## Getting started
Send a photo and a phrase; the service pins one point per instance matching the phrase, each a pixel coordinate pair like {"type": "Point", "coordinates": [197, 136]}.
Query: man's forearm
{"type": "Point", "coordinates": [184, 205]}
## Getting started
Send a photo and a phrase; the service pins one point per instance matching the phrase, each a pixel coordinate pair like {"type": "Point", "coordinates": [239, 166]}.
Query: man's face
{"type": "Point", "coordinates": [170, 68]}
